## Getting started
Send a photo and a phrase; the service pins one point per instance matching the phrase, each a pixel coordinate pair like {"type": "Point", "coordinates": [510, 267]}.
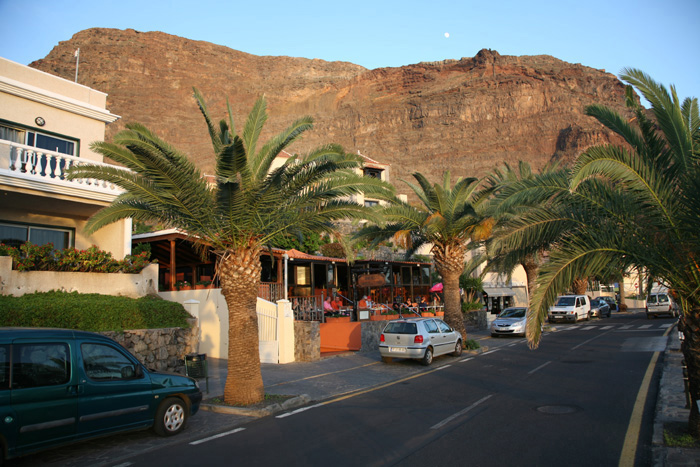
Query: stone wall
{"type": "Point", "coordinates": [307, 341]}
{"type": "Point", "coordinates": [371, 330]}
{"type": "Point", "coordinates": [476, 319]}
{"type": "Point", "coordinates": [160, 349]}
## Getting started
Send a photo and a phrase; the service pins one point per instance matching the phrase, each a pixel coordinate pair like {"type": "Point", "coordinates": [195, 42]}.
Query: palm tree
{"type": "Point", "coordinates": [248, 207]}
{"type": "Point", "coordinates": [642, 210]}
{"type": "Point", "coordinates": [448, 219]}
{"type": "Point", "coordinates": [522, 205]}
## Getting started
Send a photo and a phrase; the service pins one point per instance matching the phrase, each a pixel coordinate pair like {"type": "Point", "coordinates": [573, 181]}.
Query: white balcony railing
{"type": "Point", "coordinates": [41, 165]}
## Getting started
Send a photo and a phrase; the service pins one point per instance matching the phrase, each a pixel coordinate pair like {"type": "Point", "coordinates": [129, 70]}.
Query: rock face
{"type": "Point", "coordinates": [466, 115]}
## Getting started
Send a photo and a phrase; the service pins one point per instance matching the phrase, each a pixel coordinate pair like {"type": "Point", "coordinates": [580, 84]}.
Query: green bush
{"type": "Point", "coordinates": [30, 257]}
{"type": "Point", "coordinates": [471, 344]}
{"type": "Point", "coordinates": [90, 312]}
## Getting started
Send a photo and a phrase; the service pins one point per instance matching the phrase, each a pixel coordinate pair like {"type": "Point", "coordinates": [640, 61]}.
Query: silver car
{"type": "Point", "coordinates": [418, 338]}
{"type": "Point", "coordinates": [510, 322]}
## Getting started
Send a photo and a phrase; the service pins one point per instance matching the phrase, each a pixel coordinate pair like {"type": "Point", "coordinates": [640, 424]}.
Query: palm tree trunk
{"type": "Point", "coordinates": [239, 272]}
{"type": "Point", "coordinates": [691, 353]}
{"type": "Point", "coordinates": [580, 285]}
{"type": "Point", "coordinates": [622, 293]}
{"type": "Point", "coordinates": [531, 269]}
{"type": "Point", "coordinates": [449, 263]}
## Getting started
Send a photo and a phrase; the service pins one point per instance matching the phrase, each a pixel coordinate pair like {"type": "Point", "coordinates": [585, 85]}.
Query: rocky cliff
{"type": "Point", "coordinates": [465, 115]}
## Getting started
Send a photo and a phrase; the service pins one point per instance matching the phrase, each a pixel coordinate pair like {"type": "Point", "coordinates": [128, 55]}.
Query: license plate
{"type": "Point", "coordinates": [558, 316]}
{"type": "Point", "coordinates": [397, 349]}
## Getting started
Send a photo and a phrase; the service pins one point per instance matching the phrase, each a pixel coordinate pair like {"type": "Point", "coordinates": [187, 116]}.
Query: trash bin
{"type": "Point", "coordinates": [196, 367]}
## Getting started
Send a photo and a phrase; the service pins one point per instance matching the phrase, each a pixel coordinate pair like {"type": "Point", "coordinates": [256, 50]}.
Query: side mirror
{"type": "Point", "coordinates": [128, 372]}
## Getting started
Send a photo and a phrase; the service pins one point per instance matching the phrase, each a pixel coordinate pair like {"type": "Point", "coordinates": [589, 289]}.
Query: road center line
{"type": "Point", "coordinates": [220, 435]}
{"type": "Point", "coordinates": [490, 351]}
{"type": "Point", "coordinates": [460, 413]}
{"type": "Point", "coordinates": [539, 367]}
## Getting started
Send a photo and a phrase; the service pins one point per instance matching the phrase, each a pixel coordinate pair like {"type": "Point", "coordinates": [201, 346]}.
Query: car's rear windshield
{"type": "Point", "coordinates": [566, 301]}
{"type": "Point", "coordinates": [400, 328]}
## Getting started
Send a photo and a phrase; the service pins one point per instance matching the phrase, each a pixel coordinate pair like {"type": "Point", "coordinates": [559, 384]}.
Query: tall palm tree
{"type": "Point", "coordinates": [248, 207]}
{"type": "Point", "coordinates": [446, 218]}
{"type": "Point", "coordinates": [642, 211]}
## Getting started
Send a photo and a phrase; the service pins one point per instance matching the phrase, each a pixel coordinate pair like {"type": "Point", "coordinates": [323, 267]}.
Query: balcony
{"type": "Point", "coordinates": [27, 167]}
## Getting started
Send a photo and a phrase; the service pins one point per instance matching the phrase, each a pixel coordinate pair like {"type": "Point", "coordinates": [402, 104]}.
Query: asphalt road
{"type": "Point", "coordinates": [569, 402]}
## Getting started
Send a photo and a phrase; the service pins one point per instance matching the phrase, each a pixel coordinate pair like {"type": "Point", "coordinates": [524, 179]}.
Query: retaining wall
{"type": "Point", "coordinates": [160, 349]}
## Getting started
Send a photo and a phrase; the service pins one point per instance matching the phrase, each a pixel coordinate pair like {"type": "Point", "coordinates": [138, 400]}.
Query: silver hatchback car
{"type": "Point", "coordinates": [420, 339]}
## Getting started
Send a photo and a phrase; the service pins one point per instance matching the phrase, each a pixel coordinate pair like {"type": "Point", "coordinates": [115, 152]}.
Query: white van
{"type": "Point", "coordinates": [661, 304]}
{"type": "Point", "coordinates": [570, 308]}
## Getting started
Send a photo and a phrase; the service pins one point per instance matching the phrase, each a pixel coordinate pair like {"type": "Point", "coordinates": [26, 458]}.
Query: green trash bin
{"type": "Point", "coordinates": [196, 367]}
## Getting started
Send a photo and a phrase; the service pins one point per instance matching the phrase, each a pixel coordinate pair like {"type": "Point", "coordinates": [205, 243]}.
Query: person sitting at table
{"type": "Point", "coordinates": [337, 303]}
{"type": "Point", "coordinates": [362, 304]}
{"type": "Point", "coordinates": [423, 305]}
{"type": "Point", "coordinates": [327, 305]}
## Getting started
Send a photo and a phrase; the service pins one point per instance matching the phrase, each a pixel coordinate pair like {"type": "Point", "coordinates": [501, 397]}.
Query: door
{"type": "Point", "coordinates": [116, 394]}
{"type": "Point", "coordinates": [44, 393]}
{"type": "Point", "coordinates": [437, 339]}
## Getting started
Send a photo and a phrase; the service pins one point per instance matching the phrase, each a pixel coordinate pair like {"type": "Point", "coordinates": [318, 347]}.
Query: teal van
{"type": "Point", "coordinates": [58, 386]}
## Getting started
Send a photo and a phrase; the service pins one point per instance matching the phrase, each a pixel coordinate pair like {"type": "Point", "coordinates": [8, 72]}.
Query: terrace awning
{"type": "Point", "coordinates": [499, 291]}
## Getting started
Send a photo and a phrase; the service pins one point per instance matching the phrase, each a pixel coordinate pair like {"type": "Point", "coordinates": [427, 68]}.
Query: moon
{"type": "Point", "coordinates": [447, 34]}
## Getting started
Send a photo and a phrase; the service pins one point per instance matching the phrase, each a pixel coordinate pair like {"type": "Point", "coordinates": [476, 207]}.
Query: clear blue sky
{"type": "Point", "coordinates": [659, 37]}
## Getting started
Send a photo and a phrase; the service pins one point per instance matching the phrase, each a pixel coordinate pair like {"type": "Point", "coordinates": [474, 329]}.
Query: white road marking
{"type": "Point", "coordinates": [466, 359]}
{"type": "Point", "coordinates": [220, 435]}
{"type": "Point", "coordinates": [539, 367]}
{"type": "Point", "coordinates": [626, 326]}
{"type": "Point", "coordinates": [646, 326]}
{"type": "Point", "coordinates": [606, 327]}
{"type": "Point", "coordinates": [443, 367]}
{"type": "Point", "coordinates": [666, 326]}
{"type": "Point", "coordinates": [460, 413]}
{"type": "Point", "coordinates": [490, 351]}
{"type": "Point", "coordinates": [294, 412]}
{"type": "Point", "coordinates": [588, 328]}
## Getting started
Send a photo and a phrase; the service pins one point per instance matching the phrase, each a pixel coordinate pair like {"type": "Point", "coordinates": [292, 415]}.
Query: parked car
{"type": "Point", "coordinates": [510, 322]}
{"type": "Point", "coordinates": [661, 304]}
{"type": "Point", "coordinates": [570, 308]}
{"type": "Point", "coordinates": [600, 308]}
{"type": "Point", "coordinates": [610, 301]}
{"type": "Point", "coordinates": [418, 338]}
{"type": "Point", "coordinates": [59, 386]}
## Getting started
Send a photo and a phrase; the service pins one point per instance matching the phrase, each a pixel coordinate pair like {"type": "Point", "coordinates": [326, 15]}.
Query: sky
{"type": "Point", "coordinates": [659, 37]}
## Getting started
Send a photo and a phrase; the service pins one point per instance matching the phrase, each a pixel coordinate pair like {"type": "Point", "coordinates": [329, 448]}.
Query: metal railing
{"type": "Point", "coordinates": [271, 291]}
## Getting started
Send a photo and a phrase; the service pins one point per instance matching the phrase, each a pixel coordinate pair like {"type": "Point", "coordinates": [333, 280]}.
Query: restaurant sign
{"type": "Point", "coordinates": [371, 280]}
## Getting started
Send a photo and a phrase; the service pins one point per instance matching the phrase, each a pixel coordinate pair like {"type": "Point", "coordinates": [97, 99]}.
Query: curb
{"type": "Point", "coordinates": [258, 412]}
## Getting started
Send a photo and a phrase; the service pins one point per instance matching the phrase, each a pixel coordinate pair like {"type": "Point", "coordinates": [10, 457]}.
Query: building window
{"type": "Point", "coordinates": [37, 139]}
{"type": "Point", "coordinates": [374, 173]}
{"type": "Point", "coordinates": [17, 234]}
{"type": "Point", "coordinates": [370, 203]}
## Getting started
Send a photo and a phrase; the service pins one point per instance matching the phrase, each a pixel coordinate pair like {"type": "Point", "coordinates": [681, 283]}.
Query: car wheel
{"type": "Point", "coordinates": [458, 348]}
{"type": "Point", "coordinates": [427, 357]}
{"type": "Point", "coordinates": [171, 417]}
{"type": "Point", "coordinates": [387, 359]}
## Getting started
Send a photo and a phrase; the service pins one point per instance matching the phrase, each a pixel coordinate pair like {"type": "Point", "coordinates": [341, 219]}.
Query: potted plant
{"type": "Point", "coordinates": [337, 317]}
{"type": "Point", "coordinates": [183, 285]}
{"type": "Point", "coordinates": [427, 314]}
{"type": "Point", "coordinates": [203, 285]}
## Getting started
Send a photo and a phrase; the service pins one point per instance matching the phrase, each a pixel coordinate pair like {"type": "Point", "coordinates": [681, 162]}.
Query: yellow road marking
{"type": "Point", "coordinates": [629, 448]}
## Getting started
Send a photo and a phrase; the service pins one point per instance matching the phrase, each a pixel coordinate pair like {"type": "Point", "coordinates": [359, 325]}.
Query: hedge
{"type": "Point", "coordinates": [90, 312]}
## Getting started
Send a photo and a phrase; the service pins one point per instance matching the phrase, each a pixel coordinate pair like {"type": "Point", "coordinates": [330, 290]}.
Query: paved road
{"type": "Point", "coordinates": [568, 403]}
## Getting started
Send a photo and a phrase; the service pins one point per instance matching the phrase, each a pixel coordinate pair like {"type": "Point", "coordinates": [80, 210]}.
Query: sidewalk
{"type": "Point", "coordinates": [671, 409]}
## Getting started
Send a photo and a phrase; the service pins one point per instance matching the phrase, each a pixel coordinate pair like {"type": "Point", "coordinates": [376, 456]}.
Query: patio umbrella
{"type": "Point", "coordinates": [437, 287]}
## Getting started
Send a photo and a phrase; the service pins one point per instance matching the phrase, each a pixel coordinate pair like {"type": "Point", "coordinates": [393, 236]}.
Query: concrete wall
{"type": "Point", "coordinates": [371, 330]}
{"type": "Point", "coordinates": [18, 283]}
{"type": "Point", "coordinates": [160, 349]}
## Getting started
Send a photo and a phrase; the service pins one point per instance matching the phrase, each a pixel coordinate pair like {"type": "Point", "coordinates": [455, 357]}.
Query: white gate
{"type": "Point", "coordinates": [267, 331]}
